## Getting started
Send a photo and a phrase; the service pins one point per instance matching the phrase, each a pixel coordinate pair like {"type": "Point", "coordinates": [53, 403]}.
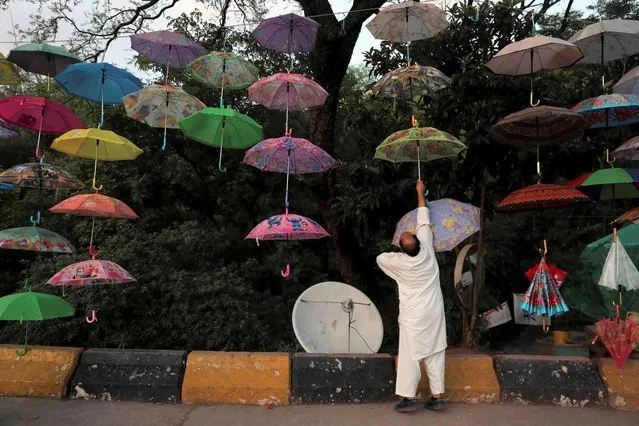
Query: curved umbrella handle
{"type": "Point", "coordinates": [544, 326]}
{"type": "Point", "coordinates": [92, 319]}
{"type": "Point", "coordinates": [96, 188]}
{"type": "Point", "coordinates": [532, 101]}
{"type": "Point", "coordinates": [414, 121]}
{"type": "Point", "coordinates": [164, 142]}
{"type": "Point", "coordinates": [219, 163]}
{"type": "Point", "coordinates": [24, 351]}
{"type": "Point", "coordinates": [93, 253]}
{"type": "Point", "coordinates": [35, 221]}
{"type": "Point", "coordinates": [287, 271]}
{"type": "Point", "coordinates": [39, 155]}
{"type": "Point", "coordinates": [475, 18]}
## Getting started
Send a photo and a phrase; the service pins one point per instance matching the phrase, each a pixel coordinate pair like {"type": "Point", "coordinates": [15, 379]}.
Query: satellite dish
{"type": "Point", "coordinates": [333, 317]}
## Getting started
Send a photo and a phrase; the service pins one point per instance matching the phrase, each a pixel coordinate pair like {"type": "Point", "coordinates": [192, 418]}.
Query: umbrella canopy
{"type": "Point", "coordinates": [409, 81]}
{"type": "Point", "coordinates": [629, 216]}
{"type": "Point", "coordinates": [609, 110]}
{"type": "Point", "coordinates": [452, 222]}
{"type": "Point", "coordinates": [162, 106]}
{"type": "Point", "coordinates": [288, 154]}
{"type": "Point", "coordinates": [618, 269]}
{"type": "Point", "coordinates": [408, 21]}
{"type": "Point", "coordinates": [40, 175]}
{"type": "Point", "coordinates": [96, 143]}
{"type": "Point", "coordinates": [100, 82]}
{"type": "Point", "coordinates": [609, 184]}
{"type": "Point", "coordinates": [288, 33]}
{"type": "Point", "coordinates": [32, 238]}
{"type": "Point", "coordinates": [543, 296]}
{"type": "Point", "coordinates": [544, 126]}
{"type": "Point", "coordinates": [557, 274]}
{"type": "Point", "coordinates": [32, 306]}
{"type": "Point", "coordinates": [619, 337]}
{"type": "Point", "coordinates": [7, 132]}
{"type": "Point", "coordinates": [607, 40]}
{"type": "Point", "coordinates": [286, 91]}
{"type": "Point", "coordinates": [7, 187]}
{"type": "Point", "coordinates": [95, 205]}
{"type": "Point", "coordinates": [9, 75]}
{"type": "Point", "coordinates": [629, 83]}
{"type": "Point", "coordinates": [91, 272]}
{"type": "Point", "coordinates": [39, 114]}
{"type": "Point", "coordinates": [540, 197]}
{"type": "Point", "coordinates": [44, 59]}
{"type": "Point", "coordinates": [167, 47]}
{"type": "Point", "coordinates": [287, 226]}
{"type": "Point", "coordinates": [222, 69]}
{"type": "Point", "coordinates": [627, 151]}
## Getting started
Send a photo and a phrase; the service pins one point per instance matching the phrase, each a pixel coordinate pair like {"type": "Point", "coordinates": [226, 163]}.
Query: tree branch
{"type": "Point", "coordinates": [564, 22]}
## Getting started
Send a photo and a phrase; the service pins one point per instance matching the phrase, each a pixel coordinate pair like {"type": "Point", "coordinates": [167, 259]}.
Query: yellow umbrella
{"type": "Point", "coordinates": [96, 144]}
{"type": "Point", "coordinates": [8, 72]}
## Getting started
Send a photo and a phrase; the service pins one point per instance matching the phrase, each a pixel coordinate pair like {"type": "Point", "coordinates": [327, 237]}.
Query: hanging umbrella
{"type": "Point", "coordinates": [629, 83]}
{"type": "Point", "coordinates": [9, 74]}
{"type": "Point", "coordinates": [40, 175]}
{"type": "Point", "coordinates": [609, 184]}
{"type": "Point", "coordinates": [540, 197]}
{"type": "Point", "coordinates": [6, 132]}
{"type": "Point", "coordinates": [418, 144]}
{"type": "Point", "coordinates": [95, 205]}
{"type": "Point", "coordinates": [557, 274]}
{"type": "Point", "coordinates": [91, 272]}
{"type": "Point", "coordinates": [167, 48]}
{"type": "Point", "coordinates": [543, 297]}
{"type": "Point", "coordinates": [607, 40]}
{"type": "Point", "coordinates": [32, 238]}
{"type": "Point", "coordinates": [44, 59]}
{"type": "Point", "coordinates": [631, 216]}
{"type": "Point", "coordinates": [628, 151]}
{"type": "Point", "coordinates": [452, 222]}
{"type": "Point", "coordinates": [100, 83]}
{"type": "Point", "coordinates": [408, 21]}
{"type": "Point", "coordinates": [32, 306]}
{"type": "Point", "coordinates": [620, 337]}
{"type": "Point", "coordinates": [288, 155]}
{"type": "Point", "coordinates": [7, 187]}
{"type": "Point", "coordinates": [222, 127]}
{"type": "Point", "coordinates": [618, 269]}
{"type": "Point", "coordinates": [162, 106]}
{"type": "Point", "coordinates": [609, 110]}
{"type": "Point", "coordinates": [287, 227]}
{"type": "Point", "coordinates": [223, 70]}
{"type": "Point", "coordinates": [409, 81]}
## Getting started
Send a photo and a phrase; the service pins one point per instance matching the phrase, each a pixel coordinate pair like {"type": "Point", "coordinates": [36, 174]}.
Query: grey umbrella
{"type": "Point", "coordinates": [629, 83]}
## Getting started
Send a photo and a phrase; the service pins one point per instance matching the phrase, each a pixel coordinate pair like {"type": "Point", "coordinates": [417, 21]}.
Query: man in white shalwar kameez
{"type": "Point", "coordinates": [422, 322]}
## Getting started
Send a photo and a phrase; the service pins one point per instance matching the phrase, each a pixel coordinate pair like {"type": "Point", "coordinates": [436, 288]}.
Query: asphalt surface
{"type": "Point", "coordinates": [32, 412]}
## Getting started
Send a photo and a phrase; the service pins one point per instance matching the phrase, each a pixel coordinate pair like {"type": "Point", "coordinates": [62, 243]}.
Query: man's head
{"type": "Point", "coordinates": [409, 244]}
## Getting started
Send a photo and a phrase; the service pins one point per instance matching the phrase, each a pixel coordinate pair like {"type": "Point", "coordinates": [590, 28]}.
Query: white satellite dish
{"type": "Point", "coordinates": [333, 317]}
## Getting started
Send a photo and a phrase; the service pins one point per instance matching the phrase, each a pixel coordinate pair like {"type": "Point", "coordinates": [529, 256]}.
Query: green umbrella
{"type": "Point", "coordinates": [222, 127]}
{"type": "Point", "coordinates": [44, 59]}
{"type": "Point", "coordinates": [610, 184]}
{"type": "Point", "coordinates": [31, 306]}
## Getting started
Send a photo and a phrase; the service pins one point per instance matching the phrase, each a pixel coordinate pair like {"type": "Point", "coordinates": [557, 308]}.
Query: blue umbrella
{"type": "Point", "coordinates": [6, 187]}
{"type": "Point", "coordinates": [101, 83]}
{"type": "Point", "coordinates": [609, 110]}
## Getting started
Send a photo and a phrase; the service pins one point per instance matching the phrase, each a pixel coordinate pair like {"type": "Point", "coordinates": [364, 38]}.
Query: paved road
{"type": "Point", "coordinates": [36, 412]}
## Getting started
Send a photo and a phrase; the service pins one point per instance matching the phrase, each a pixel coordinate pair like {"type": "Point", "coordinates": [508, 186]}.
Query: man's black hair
{"type": "Point", "coordinates": [412, 251]}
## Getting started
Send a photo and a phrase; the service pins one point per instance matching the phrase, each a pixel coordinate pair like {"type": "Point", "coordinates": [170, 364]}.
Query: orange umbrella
{"type": "Point", "coordinates": [95, 205]}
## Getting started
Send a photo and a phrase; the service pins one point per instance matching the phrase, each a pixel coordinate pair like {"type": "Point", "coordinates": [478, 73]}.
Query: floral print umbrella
{"type": "Point", "coordinates": [161, 106]}
{"type": "Point", "coordinates": [627, 151]}
{"type": "Point", "coordinates": [95, 205]}
{"type": "Point", "coordinates": [40, 175]}
{"type": "Point", "coordinates": [620, 337]}
{"type": "Point", "coordinates": [410, 81]}
{"type": "Point", "coordinates": [452, 222]}
{"type": "Point", "coordinates": [543, 297]}
{"type": "Point", "coordinates": [628, 83]}
{"type": "Point", "coordinates": [418, 144]}
{"type": "Point", "coordinates": [32, 238]}
{"type": "Point", "coordinates": [288, 33]}
{"type": "Point", "coordinates": [9, 74]}
{"type": "Point", "coordinates": [91, 272]}
{"type": "Point", "coordinates": [223, 70]}
{"type": "Point", "coordinates": [286, 91]}
{"type": "Point", "coordinates": [6, 132]}
{"type": "Point", "coordinates": [609, 110]}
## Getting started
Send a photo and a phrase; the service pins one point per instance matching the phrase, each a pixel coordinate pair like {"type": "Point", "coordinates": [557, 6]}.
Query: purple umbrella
{"type": "Point", "coordinates": [6, 132]}
{"type": "Point", "coordinates": [288, 33]}
{"type": "Point", "coordinates": [167, 47]}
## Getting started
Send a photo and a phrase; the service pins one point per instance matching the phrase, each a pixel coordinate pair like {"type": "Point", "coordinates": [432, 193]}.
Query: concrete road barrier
{"type": "Point", "coordinates": [237, 378]}
{"type": "Point", "coordinates": [342, 378]}
{"type": "Point", "coordinates": [129, 375]}
{"type": "Point", "coordinates": [622, 384]}
{"type": "Point", "coordinates": [43, 372]}
{"type": "Point", "coordinates": [565, 381]}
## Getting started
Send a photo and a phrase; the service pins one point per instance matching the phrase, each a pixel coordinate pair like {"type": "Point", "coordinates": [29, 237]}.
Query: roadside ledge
{"type": "Point", "coordinates": [622, 384]}
{"type": "Point", "coordinates": [255, 378]}
{"type": "Point", "coordinates": [44, 372]}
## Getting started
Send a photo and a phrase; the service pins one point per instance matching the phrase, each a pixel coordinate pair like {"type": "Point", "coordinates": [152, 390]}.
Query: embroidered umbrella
{"type": "Point", "coordinates": [31, 306]}
{"type": "Point", "coordinates": [629, 83]}
{"type": "Point", "coordinates": [162, 106]}
{"type": "Point", "coordinates": [223, 70]}
{"type": "Point", "coordinates": [558, 275]}
{"type": "Point", "coordinates": [32, 238]}
{"type": "Point", "coordinates": [609, 110]}
{"type": "Point", "coordinates": [6, 132]}
{"type": "Point", "coordinates": [94, 205]}
{"type": "Point", "coordinates": [409, 81]}
{"type": "Point", "coordinates": [287, 227]}
{"type": "Point", "coordinates": [620, 337]}
{"type": "Point", "coordinates": [288, 155]}
{"type": "Point", "coordinates": [167, 48]}
{"type": "Point", "coordinates": [540, 197]}
{"type": "Point", "coordinates": [222, 127]}
{"type": "Point", "coordinates": [40, 175]}
{"type": "Point", "coordinates": [101, 83]}
{"type": "Point", "coordinates": [543, 297]}
{"type": "Point", "coordinates": [534, 54]}
{"type": "Point", "coordinates": [9, 74]}
{"type": "Point", "coordinates": [418, 144]}
{"type": "Point", "coordinates": [288, 33]}
{"type": "Point", "coordinates": [452, 222]}
{"type": "Point", "coordinates": [628, 151]}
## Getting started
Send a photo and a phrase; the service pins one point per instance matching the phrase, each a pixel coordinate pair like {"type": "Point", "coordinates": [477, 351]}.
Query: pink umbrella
{"type": "Point", "coordinates": [39, 114]}
{"type": "Point", "coordinates": [286, 227]}
{"type": "Point", "coordinates": [289, 155]}
{"type": "Point", "coordinates": [628, 151]}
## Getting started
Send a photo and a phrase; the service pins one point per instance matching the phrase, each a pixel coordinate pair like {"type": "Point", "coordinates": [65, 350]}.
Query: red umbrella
{"type": "Point", "coordinates": [96, 205]}
{"type": "Point", "coordinates": [619, 337]}
{"type": "Point", "coordinates": [629, 216]}
{"type": "Point", "coordinates": [539, 197]}
{"type": "Point", "coordinates": [558, 275]}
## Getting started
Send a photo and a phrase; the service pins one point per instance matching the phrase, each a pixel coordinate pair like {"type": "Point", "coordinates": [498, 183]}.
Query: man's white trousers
{"type": "Point", "coordinates": [409, 371]}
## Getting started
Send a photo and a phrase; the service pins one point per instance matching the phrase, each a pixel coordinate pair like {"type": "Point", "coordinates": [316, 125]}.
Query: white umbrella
{"type": "Point", "coordinates": [629, 83]}
{"type": "Point", "coordinates": [618, 270]}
